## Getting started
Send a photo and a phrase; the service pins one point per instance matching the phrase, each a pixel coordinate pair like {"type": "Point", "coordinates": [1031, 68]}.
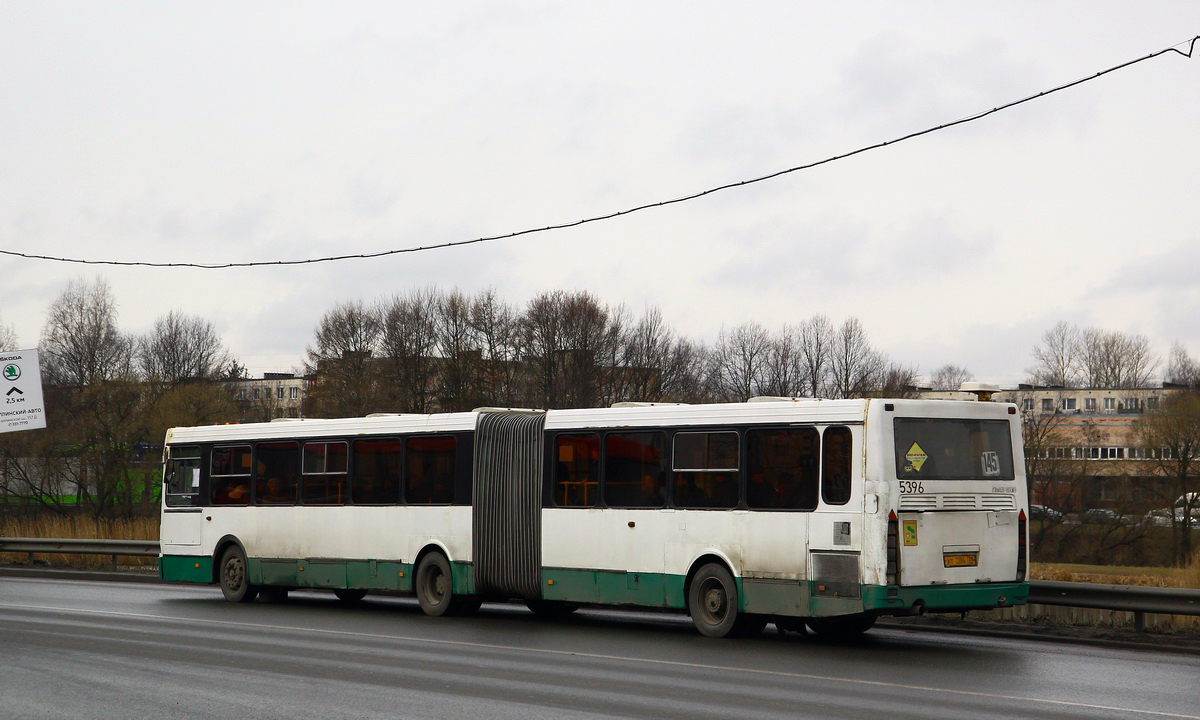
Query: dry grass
{"type": "Point", "coordinates": [81, 528]}
{"type": "Point", "coordinates": [1188, 577]}
{"type": "Point", "coordinates": [1114, 575]}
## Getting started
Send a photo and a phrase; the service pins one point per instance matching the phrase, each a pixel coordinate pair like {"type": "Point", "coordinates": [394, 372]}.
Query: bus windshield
{"type": "Point", "coordinates": [953, 449]}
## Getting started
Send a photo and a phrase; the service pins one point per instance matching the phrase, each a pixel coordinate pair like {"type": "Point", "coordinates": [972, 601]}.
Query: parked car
{"type": "Point", "coordinates": [1162, 517]}
{"type": "Point", "coordinates": [1104, 516]}
{"type": "Point", "coordinates": [1159, 518]}
{"type": "Point", "coordinates": [1044, 513]}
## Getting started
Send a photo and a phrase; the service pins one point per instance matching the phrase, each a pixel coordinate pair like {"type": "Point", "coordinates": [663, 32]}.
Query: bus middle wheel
{"type": "Point", "coordinates": [713, 601]}
{"type": "Point", "coordinates": [434, 585]}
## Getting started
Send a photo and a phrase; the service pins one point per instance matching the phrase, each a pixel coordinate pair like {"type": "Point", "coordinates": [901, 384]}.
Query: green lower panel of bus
{"type": "Point", "coordinates": [332, 573]}
{"type": "Point", "coordinates": [613, 587]}
{"type": "Point", "coordinates": [185, 568]}
{"type": "Point", "coordinates": [945, 598]}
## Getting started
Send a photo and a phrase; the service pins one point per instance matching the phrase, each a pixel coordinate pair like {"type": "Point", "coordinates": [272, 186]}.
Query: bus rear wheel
{"type": "Point", "coordinates": [234, 579]}
{"type": "Point", "coordinates": [713, 602]}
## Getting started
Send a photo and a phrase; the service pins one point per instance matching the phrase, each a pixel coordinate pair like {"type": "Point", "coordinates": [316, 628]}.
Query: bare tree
{"type": "Point", "coordinates": [816, 345]}
{"type": "Point", "coordinates": [182, 347]}
{"type": "Point", "coordinates": [81, 343]}
{"type": "Point", "coordinates": [99, 408]}
{"type": "Point", "coordinates": [1057, 357]}
{"type": "Point", "coordinates": [409, 344]}
{"type": "Point", "coordinates": [657, 365]}
{"type": "Point", "coordinates": [785, 369]}
{"type": "Point", "coordinates": [497, 334]}
{"type": "Point", "coordinates": [739, 362]}
{"type": "Point", "coordinates": [1113, 359]}
{"type": "Point", "coordinates": [856, 368]}
{"type": "Point", "coordinates": [897, 381]}
{"type": "Point", "coordinates": [456, 378]}
{"type": "Point", "coordinates": [1172, 433]}
{"type": "Point", "coordinates": [342, 360]}
{"type": "Point", "coordinates": [1182, 369]}
{"type": "Point", "coordinates": [949, 377]}
{"type": "Point", "coordinates": [572, 341]}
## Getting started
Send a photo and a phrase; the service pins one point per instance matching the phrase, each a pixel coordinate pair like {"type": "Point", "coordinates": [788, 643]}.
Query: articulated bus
{"type": "Point", "coordinates": [818, 513]}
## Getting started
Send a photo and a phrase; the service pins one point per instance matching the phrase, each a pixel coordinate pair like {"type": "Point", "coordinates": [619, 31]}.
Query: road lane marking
{"type": "Point", "coordinates": [618, 658]}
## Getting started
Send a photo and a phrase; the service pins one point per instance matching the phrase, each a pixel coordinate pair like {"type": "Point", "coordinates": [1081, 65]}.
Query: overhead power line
{"type": "Point", "coordinates": [1191, 46]}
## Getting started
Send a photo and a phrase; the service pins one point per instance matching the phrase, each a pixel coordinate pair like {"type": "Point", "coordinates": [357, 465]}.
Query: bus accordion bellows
{"type": "Point", "coordinates": [818, 513]}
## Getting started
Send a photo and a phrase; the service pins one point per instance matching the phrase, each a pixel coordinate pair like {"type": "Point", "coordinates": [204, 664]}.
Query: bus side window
{"type": "Point", "coordinates": [375, 472]}
{"type": "Point", "coordinates": [324, 481]}
{"type": "Point", "coordinates": [783, 468]}
{"type": "Point", "coordinates": [277, 473]}
{"type": "Point", "coordinates": [429, 479]}
{"type": "Point", "coordinates": [577, 470]}
{"type": "Point", "coordinates": [836, 468]}
{"type": "Point", "coordinates": [706, 468]}
{"type": "Point", "coordinates": [635, 469]}
{"type": "Point", "coordinates": [229, 477]}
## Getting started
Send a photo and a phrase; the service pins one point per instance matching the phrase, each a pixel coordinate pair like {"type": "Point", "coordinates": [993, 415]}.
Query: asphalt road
{"type": "Point", "coordinates": [71, 649]}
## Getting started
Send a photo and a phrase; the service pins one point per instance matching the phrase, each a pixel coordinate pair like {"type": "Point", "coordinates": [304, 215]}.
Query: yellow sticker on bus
{"type": "Point", "coordinates": [910, 532]}
{"type": "Point", "coordinates": [916, 457]}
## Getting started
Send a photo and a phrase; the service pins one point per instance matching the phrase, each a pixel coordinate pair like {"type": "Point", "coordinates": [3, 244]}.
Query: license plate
{"type": "Point", "coordinates": [961, 560]}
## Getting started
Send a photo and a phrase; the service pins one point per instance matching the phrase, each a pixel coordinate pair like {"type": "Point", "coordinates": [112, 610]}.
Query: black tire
{"type": "Point", "coordinates": [273, 593]}
{"type": "Point", "coordinates": [350, 595]}
{"type": "Point", "coordinates": [713, 601]}
{"type": "Point", "coordinates": [842, 625]}
{"type": "Point", "coordinates": [434, 585]}
{"type": "Point", "coordinates": [551, 608]}
{"type": "Point", "coordinates": [233, 578]}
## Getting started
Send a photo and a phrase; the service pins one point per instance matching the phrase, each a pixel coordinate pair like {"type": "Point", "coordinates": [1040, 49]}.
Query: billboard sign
{"type": "Point", "coordinates": [21, 405]}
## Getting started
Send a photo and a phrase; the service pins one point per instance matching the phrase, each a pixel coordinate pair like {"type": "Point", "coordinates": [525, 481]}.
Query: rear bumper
{"type": "Point", "coordinates": [892, 600]}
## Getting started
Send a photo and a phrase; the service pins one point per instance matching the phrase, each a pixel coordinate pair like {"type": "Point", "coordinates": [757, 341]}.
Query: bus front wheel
{"type": "Point", "coordinates": [235, 582]}
{"type": "Point", "coordinates": [713, 602]}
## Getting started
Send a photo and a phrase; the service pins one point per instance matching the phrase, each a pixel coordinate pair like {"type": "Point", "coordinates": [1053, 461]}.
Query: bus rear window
{"type": "Point", "coordinates": [953, 449]}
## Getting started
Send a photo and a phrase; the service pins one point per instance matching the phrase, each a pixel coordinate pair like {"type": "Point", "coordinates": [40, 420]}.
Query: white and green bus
{"type": "Point", "coordinates": [825, 513]}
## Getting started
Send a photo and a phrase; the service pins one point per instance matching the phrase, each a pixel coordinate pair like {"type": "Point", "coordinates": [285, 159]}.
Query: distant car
{"type": "Point", "coordinates": [1103, 516]}
{"type": "Point", "coordinates": [1162, 517]}
{"type": "Point", "coordinates": [1044, 513]}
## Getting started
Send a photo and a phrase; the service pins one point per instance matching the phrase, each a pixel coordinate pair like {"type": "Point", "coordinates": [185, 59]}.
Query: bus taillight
{"type": "Point", "coordinates": [893, 549]}
{"type": "Point", "coordinates": [1022, 556]}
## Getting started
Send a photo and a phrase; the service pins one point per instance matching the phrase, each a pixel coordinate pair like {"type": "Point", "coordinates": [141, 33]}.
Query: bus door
{"type": "Point", "coordinates": [835, 528]}
{"type": "Point", "coordinates": [959, 499]}
{"type": "Point", "coordinates": [182, 517]}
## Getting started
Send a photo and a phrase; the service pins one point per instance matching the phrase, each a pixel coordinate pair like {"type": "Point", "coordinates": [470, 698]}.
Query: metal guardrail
{"type": "Point", "coordinates": [1128, 598]}
{"type": "Point", "coordinates": [115, 548]}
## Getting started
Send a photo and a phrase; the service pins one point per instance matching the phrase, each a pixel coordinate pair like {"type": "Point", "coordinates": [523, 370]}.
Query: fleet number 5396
{"type": "Point", "coordinates": [911, 487]}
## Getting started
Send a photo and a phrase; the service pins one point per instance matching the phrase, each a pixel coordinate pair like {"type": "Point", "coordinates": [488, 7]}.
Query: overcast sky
{"type": "Point", "coordinates": [233, 132]}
